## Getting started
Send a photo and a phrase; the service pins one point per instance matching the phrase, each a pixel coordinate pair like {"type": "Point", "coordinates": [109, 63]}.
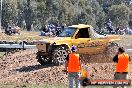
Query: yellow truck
{"type": "Point", "coordinates": [56, 49]}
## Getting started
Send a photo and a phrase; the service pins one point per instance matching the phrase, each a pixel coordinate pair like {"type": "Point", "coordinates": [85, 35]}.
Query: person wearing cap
{"type": "Point", "coordinates": [73, 67]}
{"type": "Point", "coordinates": [122, 65]}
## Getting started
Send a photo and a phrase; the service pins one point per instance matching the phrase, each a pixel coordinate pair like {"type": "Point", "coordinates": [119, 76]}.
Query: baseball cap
{"type": "Point", "coordinates": [74, 48]}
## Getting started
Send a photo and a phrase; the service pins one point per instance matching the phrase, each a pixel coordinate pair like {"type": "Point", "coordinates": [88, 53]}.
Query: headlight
{"type": "Point", "coordinates": [43, 47]}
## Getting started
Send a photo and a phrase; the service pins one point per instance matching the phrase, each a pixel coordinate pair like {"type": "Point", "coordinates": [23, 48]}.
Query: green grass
{"type": "Point", "coordinates": [47, 86]}
{"type": "Point", "coordinates": [28, 36]}
{"type": "Point", "coordinates": [31, 86]}
{"type": "Point", "coordinates": [2, 53]}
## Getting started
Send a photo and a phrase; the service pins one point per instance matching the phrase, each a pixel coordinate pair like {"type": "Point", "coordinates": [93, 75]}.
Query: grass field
{"type": "Point", "coordinates": [2, 53]}
{"type": "Point", "coordinates": [31, 86]}
{"type": "Point", "coordinates": [29, 36]}
{"type": "Point", "coordinates": [48, 86]}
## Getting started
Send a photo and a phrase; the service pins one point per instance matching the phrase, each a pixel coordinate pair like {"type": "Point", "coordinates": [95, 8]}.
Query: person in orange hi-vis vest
{"type": "Point", "coordinates": [122, 65]}
{"type": "Point", "coordinates": [73, 67]}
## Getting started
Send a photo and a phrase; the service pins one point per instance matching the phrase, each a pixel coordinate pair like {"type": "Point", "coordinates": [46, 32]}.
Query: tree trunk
{"type": "Point", "coordinates": [28, 26]}
{"type": "Point", "coordinates": [28, 15]}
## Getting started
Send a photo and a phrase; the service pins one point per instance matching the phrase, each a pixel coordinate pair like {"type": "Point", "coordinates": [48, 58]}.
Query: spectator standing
{"type": "Point", "coordinates": [73, 66]}
{"type": "Point", "coordinates": [109, 26]}
{"type": "Point", "coordinates": [122, 65]}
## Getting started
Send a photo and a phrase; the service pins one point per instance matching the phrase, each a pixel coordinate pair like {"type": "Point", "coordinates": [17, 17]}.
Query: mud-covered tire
{"type": "Point", "coordinates": [112, 49]}
{"type": "Point", "coordinates": [43, 60]}
{"type": "Point", "coordinates": [85, 81]}
{"type": "Point", "coordinates": [59, 55]}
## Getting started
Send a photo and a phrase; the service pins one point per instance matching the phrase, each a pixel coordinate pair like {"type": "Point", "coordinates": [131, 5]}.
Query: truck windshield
{"type": "Point", "coordinates": [67, 32]}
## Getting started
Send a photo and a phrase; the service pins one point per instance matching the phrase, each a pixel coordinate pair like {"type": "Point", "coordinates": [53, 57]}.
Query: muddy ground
{"type": "Point", "coordinates": [22, 67]}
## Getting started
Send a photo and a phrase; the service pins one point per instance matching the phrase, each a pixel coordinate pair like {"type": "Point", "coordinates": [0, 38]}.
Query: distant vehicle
{"type": "Point", "coordinates": [56, 49]}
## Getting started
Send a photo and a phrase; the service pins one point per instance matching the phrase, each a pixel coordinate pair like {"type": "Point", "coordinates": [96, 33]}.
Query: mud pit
{"type": "Point", "coordinates": [22, 67]}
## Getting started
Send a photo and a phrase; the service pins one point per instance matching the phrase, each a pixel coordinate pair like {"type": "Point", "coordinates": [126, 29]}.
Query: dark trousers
{"type": "Point", "coordinates": [120, 76]}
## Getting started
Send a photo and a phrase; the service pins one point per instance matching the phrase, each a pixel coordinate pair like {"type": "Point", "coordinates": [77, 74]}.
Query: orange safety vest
{"type": "Point", "coordinates": [123, 62]}
{"type": "Point", "coordinates": [74, 63]}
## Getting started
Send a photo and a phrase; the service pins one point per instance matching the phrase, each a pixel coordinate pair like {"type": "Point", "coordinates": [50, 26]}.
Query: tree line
{"type": "Point", "coordinates": [35, 14]}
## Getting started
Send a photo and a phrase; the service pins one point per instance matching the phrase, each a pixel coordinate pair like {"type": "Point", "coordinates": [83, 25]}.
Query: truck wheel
{"type": "Point", "coordinates": [59, 55]}
{"type": "Point", "coordinates": [112, 49]}
{"type": "Point", "coordinates": [43, 60]}
{"type": "Point", "coordinates": [84, 81]}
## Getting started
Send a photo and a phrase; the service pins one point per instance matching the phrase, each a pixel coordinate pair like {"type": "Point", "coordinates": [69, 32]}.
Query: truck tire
{"type": "Point", "coordinates": [59, 55]}
{"type": "Point", "coordinates": [84, 81]}
{"type": "Point", "coordinates": [112, 49]}
{"type": "Point", "coordinates": [43, 60]}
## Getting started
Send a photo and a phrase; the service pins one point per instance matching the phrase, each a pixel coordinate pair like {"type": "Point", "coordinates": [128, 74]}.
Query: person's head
{"type": "Point", "coordinates": [121, 50]}
{"type": "Point", "coordinates": [73, 48]}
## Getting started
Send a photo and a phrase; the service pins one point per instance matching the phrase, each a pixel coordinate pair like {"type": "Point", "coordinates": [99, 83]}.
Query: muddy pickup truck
{"type": "Point", "coordinates": [56, 49]}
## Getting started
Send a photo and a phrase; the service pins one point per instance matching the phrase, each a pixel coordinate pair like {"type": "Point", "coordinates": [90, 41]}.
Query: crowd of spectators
{"type": "Point", "coordinates": [117, 30]}
{"type": "Point", "coordinates": [52, 29]}
{"type": "Point", "coordinates": [10, 30]}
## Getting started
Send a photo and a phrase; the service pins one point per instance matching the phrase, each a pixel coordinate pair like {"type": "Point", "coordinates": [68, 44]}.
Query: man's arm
{"type": "Point", "coordinates": [67, 61]}
{"type": "Point", "coordinates": [66, 65]}
{"type": "Point", "coordinates": [80, 65]}
{"type": "Point", "coordinates": [115, 58]}
{"type": "Point", "coordinates": [129, 58]}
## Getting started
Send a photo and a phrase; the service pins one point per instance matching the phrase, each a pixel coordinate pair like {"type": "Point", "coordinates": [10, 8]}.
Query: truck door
{"type": "Point", "coordinates": [81, 40]}
{"type": "Point", "coordinates": [85, 44]}
{"type": "Point", "coordinates": [95, 46]}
